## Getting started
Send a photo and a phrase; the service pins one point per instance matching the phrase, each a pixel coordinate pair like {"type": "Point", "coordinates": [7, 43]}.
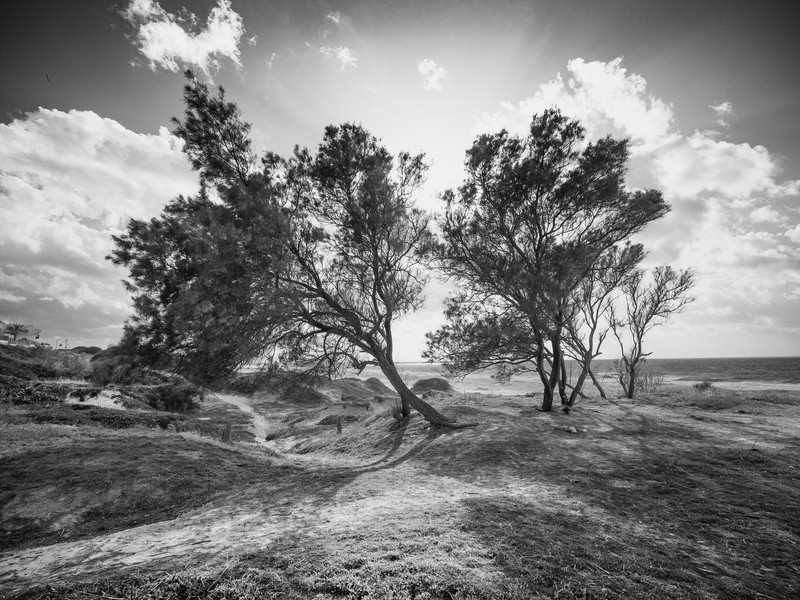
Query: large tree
{"type": "Point", "coordinates": [528, 226]}
{"type": "Point", "coordinates": [309, 260]}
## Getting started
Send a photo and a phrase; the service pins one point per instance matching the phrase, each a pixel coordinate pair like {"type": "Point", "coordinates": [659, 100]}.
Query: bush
{"type": "Point", "coordinates": [704, 386]}
{"type": "Point", "coordinates": [118, 369]}
{"type": "Point", "coordinates": [172, 397]}
{"type": "Point", "coordinates": [434, 384]}
{"type": "Point", "coordinates": [38, 362]}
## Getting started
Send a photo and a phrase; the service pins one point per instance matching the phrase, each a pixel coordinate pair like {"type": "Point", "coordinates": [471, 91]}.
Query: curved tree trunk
{"type": "Point", "coordinates": [410, 399]}
{"type": "Point", "coordinates": [547, 394]}
{"type": "Point", "coordinates": [578, 385]}
{"type": "Point", "coordinates": [597, 385]}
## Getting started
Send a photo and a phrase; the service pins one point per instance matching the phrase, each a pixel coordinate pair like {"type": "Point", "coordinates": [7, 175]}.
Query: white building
{"type": "Point", "coordinates": [29, 334]}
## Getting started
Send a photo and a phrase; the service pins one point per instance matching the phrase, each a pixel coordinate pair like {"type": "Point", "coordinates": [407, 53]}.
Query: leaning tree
{"type": "Point", "coordinates": [528, 226]}
{"type": "Point", "coordinates": [308, 260]}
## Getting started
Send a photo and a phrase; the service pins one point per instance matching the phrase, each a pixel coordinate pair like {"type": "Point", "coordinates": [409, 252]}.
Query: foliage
{"type": "Point", "coordinates": [647, 305]}
{"type": "Point", "coordinates": [15, 329]}
{"type": "Point", "coordinates": [39, 362]}
{"type": "Point", "coordinates": [172, 397]}
{"type": "Point", "coordinates": [304, 262]}
{"type": "Point", "coordinates": [529, 226]}
{"type": "Point", "coordinates": [117, 364]}
{"type": "Point", "coordinates": [703, 386]}
{"type": "Point", "coordinates": [90, 350]}
{"type": "Point", "coordinates": [647, 381]}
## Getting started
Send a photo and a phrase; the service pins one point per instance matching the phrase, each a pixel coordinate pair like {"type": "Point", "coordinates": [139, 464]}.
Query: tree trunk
{"type": "Point", "coordinates": [562, 382]}
{"type": "Point", "coordinates": [547, 394]}
{"type": "Point", "coordinates": [585, 370]}
{"type": "Point", "coordinates": [405, 409]}
{"type": "Point", "coordinates": [597, 385]}
{"type": "Point", "coordinates": [410, 399]}
{"type": "Point", "coordinates": [631, 391]}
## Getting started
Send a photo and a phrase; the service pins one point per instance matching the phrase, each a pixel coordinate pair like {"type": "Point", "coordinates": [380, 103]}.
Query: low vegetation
{"type": "Point", "coordinates": [682, 495]}
{"type": "Point", "coordinates": [26, 363]}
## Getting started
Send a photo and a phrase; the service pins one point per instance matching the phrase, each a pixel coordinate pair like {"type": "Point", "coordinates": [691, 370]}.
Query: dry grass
{"type": "Point", "coordinates": [78, 484]}
{"type": "Point", "coordinates": [679, 495]}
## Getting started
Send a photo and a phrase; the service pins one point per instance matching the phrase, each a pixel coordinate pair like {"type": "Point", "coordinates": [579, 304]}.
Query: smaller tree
{"type": "Point", "coordinates": [646, 306]}
{"type": "Point", "coordinates": [588, 324]}
{"type": "Point", "coordinates": [15, 329]}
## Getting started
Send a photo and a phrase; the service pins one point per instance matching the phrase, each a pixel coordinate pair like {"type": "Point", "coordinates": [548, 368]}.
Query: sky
{"type": "Point", "coordinates": [707, 92]}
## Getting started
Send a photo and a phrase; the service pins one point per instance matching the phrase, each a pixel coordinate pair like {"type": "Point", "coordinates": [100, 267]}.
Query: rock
{"type": "Point", "coordinates": [573, 429]}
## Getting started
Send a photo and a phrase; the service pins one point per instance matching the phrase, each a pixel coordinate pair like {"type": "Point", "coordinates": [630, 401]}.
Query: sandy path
{"type": "Point", "coordinates": [211, 536]}
{"type": "Point", "coordinates": [260, 426]}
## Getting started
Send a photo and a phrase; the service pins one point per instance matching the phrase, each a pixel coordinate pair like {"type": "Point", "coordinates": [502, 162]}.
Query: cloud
{"type": "Point", "coordinates": [722, 110]}
{"type": "Point", "coordinates": [68, 182]}
{"type": "Point", "coordinates": [697, 164]}
{"type": "Point", "coordinates": [335, 17]}
{"type": "Point", "coordinates": [167, 40]}
{"type": "Point", "coordinates": [765, 214]}
{"type": "Point", "coordinates": [732, 217]}
{"type": "Point", "coordinates": [342, 54]}
{"type": "Point", "coordinates": [432, 74]}
{"type": "Point", "coordinates": [604, 97]}
{"type": "Point", "coordinates": [794, 234]}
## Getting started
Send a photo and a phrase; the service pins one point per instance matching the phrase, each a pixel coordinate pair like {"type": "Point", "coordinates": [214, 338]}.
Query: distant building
{"type": "Point", "coordinates": [28, 335]}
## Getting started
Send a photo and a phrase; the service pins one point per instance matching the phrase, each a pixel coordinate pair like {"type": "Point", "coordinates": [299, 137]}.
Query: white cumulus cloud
{"type": "Point", "coordinates": [732, 218]}
{"type": "Point", "coordinates": [432, 74]}
{"type": "Point", "coordinates": [68, 182]}
{"type": "Point", "coordinates": [341, 53]}
{"type": "Point", "coordinates": [167, 40]}
{"type": "Point", "coordinates": [604, 97]}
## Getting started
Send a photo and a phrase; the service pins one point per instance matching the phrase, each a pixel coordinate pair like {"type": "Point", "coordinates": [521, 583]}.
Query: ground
{"type": "Point", "coordinates": [681, 494]}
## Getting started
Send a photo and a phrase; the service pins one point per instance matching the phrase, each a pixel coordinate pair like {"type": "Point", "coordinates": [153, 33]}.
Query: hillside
{"type": "Point", "coordinates": [681, 495]}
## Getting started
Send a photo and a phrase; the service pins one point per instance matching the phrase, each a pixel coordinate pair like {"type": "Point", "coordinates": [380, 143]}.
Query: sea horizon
{"type": "Point", "coordinates": [741, 373]}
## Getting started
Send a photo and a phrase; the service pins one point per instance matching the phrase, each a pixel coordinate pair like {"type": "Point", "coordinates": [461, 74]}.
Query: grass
{"type": "Point", "coordinates": [78, 486]}
{"type": "Point", "coordinates": [677, 496]}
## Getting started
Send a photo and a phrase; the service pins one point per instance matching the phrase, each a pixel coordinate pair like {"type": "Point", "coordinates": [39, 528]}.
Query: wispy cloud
{"type": "Point", "coordinates": [335, 17]}
{"type": "Point", "coordinates": [722, 110]}
{"type": "Point", "coordinates": [432, 74]}
{"type": "Point", "coordinates": [341, 53]}
{"type": "Point", "coordinates": [167, 40]}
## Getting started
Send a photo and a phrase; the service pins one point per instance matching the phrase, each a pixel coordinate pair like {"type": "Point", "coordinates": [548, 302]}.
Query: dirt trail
{"type": "Point", "coordinates": [334, 493]}
{"type": "Point", "coordinates": [260, 425]}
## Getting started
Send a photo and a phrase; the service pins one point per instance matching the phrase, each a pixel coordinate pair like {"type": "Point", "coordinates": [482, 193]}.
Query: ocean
{"type": "Point", "coordinates": [731, 373]}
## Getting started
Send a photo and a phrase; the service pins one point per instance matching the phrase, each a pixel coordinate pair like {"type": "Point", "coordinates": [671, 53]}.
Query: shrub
{"type": "Point", "coordinates": [704, 386]}
{"type": "Point", "coordinates": [172, 397]}
{"type": "Point", "coordinates": [433, 384]}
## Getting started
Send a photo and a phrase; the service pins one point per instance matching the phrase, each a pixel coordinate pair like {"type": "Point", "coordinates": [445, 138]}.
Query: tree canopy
{"type": "Point", "coordinates": [307, 260]}
{"type": "Point", "coordinates": [529, 226]}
